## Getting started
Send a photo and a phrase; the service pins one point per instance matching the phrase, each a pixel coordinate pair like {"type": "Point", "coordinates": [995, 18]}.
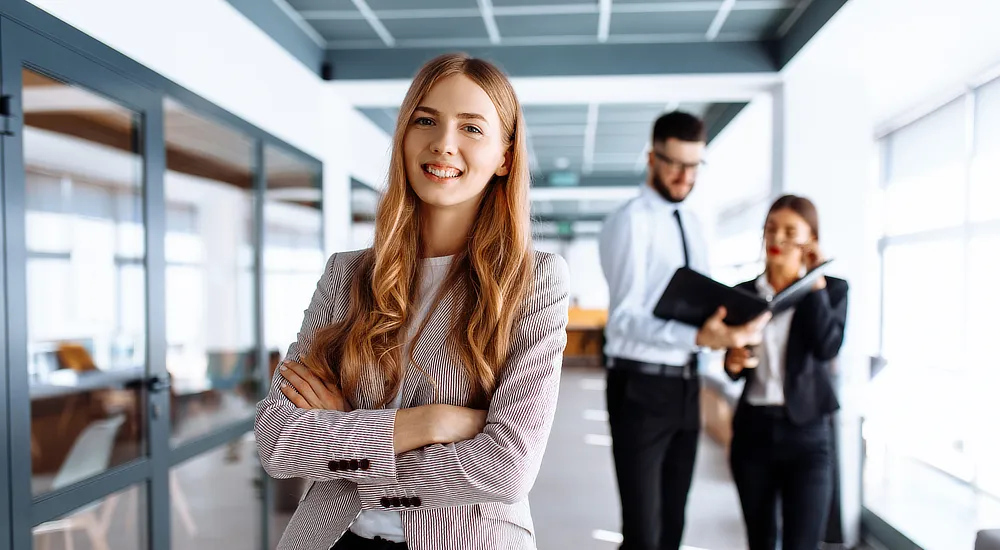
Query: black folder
{"type": "Point", "coordinates": [691, 298]}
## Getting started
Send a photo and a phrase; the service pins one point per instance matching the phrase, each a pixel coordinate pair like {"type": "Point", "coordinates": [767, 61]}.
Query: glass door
{"type": "Point", "coordinates": [87, 386]}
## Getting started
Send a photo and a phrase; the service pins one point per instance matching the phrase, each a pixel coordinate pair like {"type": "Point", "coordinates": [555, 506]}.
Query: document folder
{"type": "Point", "coordinates": [691, 298]}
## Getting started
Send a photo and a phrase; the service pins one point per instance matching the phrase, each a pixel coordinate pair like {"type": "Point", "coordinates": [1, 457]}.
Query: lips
{"type": "Point", "coordinates": [773, 250]}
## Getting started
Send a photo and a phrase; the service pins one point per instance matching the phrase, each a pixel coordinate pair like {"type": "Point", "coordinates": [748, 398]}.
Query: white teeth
{"type": "Point", "coordinates": [443, 173]}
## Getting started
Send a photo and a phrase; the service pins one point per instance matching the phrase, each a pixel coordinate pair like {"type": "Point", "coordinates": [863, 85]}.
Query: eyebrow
{"type": "Point", "coordinates": [434, 112]}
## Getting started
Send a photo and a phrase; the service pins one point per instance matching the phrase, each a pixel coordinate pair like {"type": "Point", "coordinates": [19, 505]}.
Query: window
{"type": "Point", "coordinates": [293, 244]}
{"type": "Point", "coordinates": [210, 273]}
{"type": "Point", "coordinates": [86, 293]}
{"type": "Point", "coordinates": [985, 180]}
{"type": "Point", "coordinates": [930, 411]}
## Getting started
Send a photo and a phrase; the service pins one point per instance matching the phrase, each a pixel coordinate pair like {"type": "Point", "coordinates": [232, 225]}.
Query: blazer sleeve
{"type": "Point", "coordinates": [312, 444]}
{"type": "Point", "coordinates": [824, 314]}
{"type": "Point", "coordinates": [501, 463]}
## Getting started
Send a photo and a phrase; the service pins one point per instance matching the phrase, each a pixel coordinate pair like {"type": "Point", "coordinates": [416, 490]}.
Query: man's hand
{"type": "Point", "coordinates": [306, 391]}
{"type": "Point", "coordinates": [716, 334]}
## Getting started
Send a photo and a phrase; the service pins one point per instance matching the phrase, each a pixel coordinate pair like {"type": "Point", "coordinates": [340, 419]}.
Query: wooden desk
{"type": "Point", "coordinates": [585, 337]}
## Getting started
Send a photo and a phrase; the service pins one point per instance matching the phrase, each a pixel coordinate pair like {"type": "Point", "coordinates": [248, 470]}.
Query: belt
{"type": "Point", "coordinates": [686, 371]}
{"type": "Point", "coordinates": [352, 541]}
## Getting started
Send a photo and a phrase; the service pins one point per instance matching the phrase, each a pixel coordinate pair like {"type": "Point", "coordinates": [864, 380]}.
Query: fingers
{"type": "Point", "coordinates": [290, 371]}
{"type": "Point", "coordinates": [738, 359]}
{"type": "Point", "coordinates": [319, 389]}
{"type": "Point", "coordinates": [760, 321]}
{"type": "Point", "coordinates": [720, 314]}
{"type": "Point", "coordinates": [288, 391]}
{"type": "Point", "coordinates": [752, 333]}
{"type": "Point", "coordinates": [733, 363]}
{"type": "Point", "coordinates": [335, 398]}
{"type": "Point", "coordinates": [752, 338]}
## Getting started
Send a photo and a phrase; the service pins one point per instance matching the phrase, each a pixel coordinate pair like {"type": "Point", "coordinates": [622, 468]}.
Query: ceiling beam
{"type": "Point", "coordinates": [793, 18]}
{"type": "Point", "coordinates": [604, 21]}
{"type": "Point", "coordinates": [803, 24]}
{"type": "Point", "coordinates": [545, 9]}
{"type": "Point", "coordinates": [486, 10]}
{"type": "Point", "coordinates": [563, 60]}
{"type": "Point", "coordinates": [719, 116]}
{"type": "Point", "coordinates": [375, 23]}
{"type": "Point", "coordinates": [286, 28]}
{"type": "Point", "coordinates": [566, 90]}
{"type": "Point", "coordinates": [720, 19]}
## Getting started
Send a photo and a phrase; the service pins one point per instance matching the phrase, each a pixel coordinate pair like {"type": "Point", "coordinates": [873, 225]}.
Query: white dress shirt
{"type": "Point", "coordinates": [640, 247]}
{"type": "Point", "coordinates": [769, 383]}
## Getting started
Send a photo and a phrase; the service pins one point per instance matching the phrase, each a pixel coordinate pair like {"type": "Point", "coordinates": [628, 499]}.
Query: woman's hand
{"type": "Point", "coordinates": [452, 424]}
{"type": "Point", "coordinates": [306, 391]}
{"type": "Point", "coordinates": [812, 256]}
{"type": "Point", "coordinates": [738, 359]}
{"type": "Point", "coordinates": [429, 424]}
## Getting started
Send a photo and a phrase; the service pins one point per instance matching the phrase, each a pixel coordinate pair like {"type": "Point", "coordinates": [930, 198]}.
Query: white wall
{"type": "Point", "coordinates": [210, 48]}
{"type": "Point", "coordinates": [738, 168]}
{"type": "Point", "coordinates": [829, 156]}
{"type": "Point", "coordinates": [586, 281]}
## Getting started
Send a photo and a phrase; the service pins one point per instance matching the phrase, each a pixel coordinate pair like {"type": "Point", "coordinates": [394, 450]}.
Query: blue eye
{"type": "Point", "coordinates": [473, 129]}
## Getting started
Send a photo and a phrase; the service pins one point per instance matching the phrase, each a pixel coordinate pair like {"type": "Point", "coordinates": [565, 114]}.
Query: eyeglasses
{"type": "Point", "coordinates": [674, 163]}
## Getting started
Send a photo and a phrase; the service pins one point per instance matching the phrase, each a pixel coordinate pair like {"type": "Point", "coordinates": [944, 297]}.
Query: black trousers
{"type": "Point", "coordinates": [655, 422]}
{"type": "Point", "coordinates": [776, 461]}
{"type": "Point", "coordinates": [350, 541]}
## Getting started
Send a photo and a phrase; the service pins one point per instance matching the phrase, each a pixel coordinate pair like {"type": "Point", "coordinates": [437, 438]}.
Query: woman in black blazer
{"type": "Point", "coordinates": [782, 447]}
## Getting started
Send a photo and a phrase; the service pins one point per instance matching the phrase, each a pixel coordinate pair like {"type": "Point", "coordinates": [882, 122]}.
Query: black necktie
{"type": "Point", "coordinates": [684, 244]}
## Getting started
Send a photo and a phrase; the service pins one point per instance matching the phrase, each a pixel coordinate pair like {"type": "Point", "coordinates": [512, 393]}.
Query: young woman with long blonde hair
{"type": "Point", "coordinates": [418, 399]}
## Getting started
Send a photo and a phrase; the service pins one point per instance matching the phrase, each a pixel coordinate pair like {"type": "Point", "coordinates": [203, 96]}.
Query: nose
{"type": "Point", "coordinates": [445, 141]}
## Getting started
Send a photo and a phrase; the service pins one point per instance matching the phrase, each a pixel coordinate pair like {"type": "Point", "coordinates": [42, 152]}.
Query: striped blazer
{"type": "Point", "coordinates": [462, 496]}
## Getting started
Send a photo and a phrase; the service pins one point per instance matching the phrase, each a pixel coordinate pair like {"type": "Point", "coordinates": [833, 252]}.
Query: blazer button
{"type": "Point", "coordinates": [406, 502]}
{"type": "Point", "coordinates": [344, 465]}
{"type": "Point", "coordinates": [396, 503]}
{"type": "Point", "coordinates": [364, 464]}
{"type": "Point", "coordinates": [385, 502]}
{"type": "Point", "coordinates": [333, 465]}
{"type": "Point", "coordinates": [354, 464]}
{"type": "Point", "coordinates": [415, 501]}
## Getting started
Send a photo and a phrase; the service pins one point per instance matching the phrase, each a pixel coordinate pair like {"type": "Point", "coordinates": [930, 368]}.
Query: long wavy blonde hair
{"type": "Point", "coordinates": [494, 272]}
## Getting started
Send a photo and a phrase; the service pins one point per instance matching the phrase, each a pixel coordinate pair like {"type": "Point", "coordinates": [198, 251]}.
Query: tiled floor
{"type": "Point", "coordinates": [576, 495]}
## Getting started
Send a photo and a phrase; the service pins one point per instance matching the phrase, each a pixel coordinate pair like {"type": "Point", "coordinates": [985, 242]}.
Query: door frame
{"type": "Point", "coordinates": [22, 48]}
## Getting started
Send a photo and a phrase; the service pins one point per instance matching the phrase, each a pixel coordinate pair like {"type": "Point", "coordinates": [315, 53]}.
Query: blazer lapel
{"type": "Point", "coordinates": [418, 389]}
